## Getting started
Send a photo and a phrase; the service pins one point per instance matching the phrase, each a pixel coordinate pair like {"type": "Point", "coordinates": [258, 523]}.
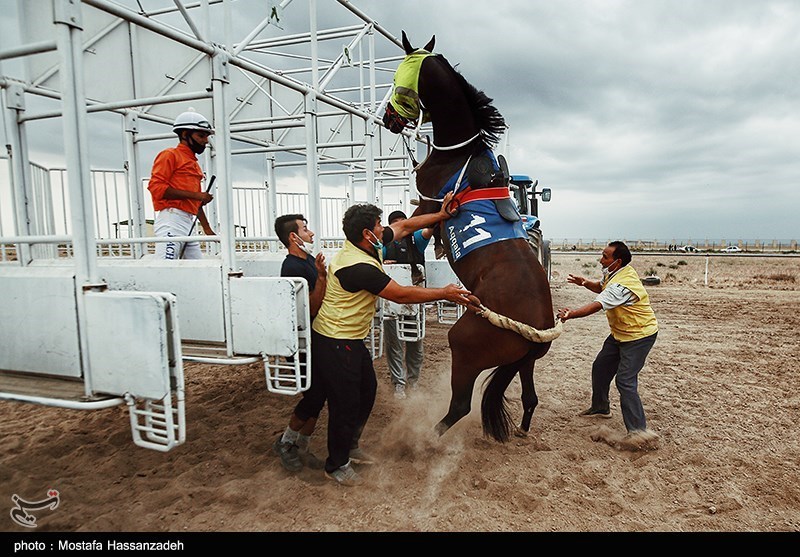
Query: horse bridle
{"type": "Point", "coordinates": [461, 174]}
{"type": "Point", "coordinates": [397, 123]}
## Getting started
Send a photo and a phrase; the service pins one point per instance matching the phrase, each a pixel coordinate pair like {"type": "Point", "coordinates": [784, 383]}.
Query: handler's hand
{"type": "Point", "coordinates": [205, 197]}
{"type": "Point", "coordinates": [322, 270]}
{"type": "Point", "coordinates": [563, 313]}
{"type": "Point", "coordinates": [457, 294]}
{"type": "Point", "coordinates": [574, 279]}
{"type": "Point", "coordinates": [445, 209]}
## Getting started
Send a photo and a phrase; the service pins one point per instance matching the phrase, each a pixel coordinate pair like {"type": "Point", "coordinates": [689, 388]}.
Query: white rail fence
{"type": "Point", "coordinates": [113, 214]}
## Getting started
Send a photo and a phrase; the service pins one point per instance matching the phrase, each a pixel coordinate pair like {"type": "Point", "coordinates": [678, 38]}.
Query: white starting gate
{"type": "Point", "coordinates": [89, 319]}
{"type": "Point", "coordinates": [439, 274]}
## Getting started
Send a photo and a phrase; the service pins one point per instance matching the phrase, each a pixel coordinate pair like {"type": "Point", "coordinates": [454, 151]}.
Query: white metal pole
{"type": "Point", "coordinates": [222, 153]}
{"type": "Point", "coordinates": [314, 212]}
{"type": "Point", "coordinates": [20, 167]}
{"type": "Point", "coordinates": [68, 34]}
{"type": "Point", "coordinates": [227, 25]}
{"type": "Point", "coordinates": [372, 79]}
{"type": "Point", "coordinates": [75, 141]}
{"type": "Point", "coordinates": [224, 193]}
{"type": "Point", "coordinates": [310, 109]}
{"type": "Point", "coordinates": [373, 196]}
{"type": "Point", "coordinates": [272, 191]}
{"type": "Point", "coordinates": [351, 190]}
{"type": "Point", "coordinates": [312, 8]}
{"type": "Point", "coordinates": [135, 193]}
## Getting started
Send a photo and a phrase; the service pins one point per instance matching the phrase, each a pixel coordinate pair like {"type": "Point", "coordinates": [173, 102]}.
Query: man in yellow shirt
{"type": "Point", "coordinates": [340, 359]}
{"type": "Point", "coordinates": [633, 333]}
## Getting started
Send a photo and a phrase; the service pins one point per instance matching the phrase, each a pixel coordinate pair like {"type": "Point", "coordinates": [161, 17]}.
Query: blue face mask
{"type": "Point", "coordinates": [378, 245]}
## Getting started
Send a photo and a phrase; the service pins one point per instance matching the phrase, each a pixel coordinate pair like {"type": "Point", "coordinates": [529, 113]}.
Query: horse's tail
{"type": "Point", "coordinates": [495, 415]}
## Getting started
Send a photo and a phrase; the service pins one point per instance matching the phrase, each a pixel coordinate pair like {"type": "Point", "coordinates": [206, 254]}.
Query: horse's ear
{"type": "Point", "coordinates": [407, 45]}
{"type": "Point", "coordinates": [429, 46]}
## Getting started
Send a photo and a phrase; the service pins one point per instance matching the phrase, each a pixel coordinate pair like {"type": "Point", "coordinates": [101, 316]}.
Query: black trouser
{"type": "Point", "coordinates": [348, 377]}
{"type": "Point", "coordinates": [313, 399]}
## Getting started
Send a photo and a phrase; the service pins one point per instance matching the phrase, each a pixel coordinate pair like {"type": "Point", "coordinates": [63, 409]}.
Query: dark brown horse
{"type": "Point", "coordinates": [505, 275]}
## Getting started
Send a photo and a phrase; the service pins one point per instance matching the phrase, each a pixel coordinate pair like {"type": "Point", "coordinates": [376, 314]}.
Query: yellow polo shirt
{"type": "Point", "coordinates": [637, 320]}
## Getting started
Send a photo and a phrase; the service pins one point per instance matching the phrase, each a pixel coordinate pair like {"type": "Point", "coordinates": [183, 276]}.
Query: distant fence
{"type": "Point", "coordinates": [758, 246]}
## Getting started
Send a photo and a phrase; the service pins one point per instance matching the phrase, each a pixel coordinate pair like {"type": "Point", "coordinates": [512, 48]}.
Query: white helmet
{"type": "Point", "coordinates": [191, 120]}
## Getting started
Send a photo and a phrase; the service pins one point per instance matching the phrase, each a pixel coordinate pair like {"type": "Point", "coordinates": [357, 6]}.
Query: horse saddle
{"type": "Point", "coordinates": [481, 173]}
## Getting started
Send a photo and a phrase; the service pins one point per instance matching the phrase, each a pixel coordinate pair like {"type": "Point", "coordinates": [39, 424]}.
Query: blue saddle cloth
{"type": "Point", "coordinates": [478, 224]}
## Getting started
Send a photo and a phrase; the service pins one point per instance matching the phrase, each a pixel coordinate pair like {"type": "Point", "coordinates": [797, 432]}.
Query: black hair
{"type": "Point", "coordinates": [357, 218]}
{"type": "Point", "coordinates": [396, 215]}
{"type": "Point", "coordinates": [285, 225]}
{"type": "Point", "coordinates": [621, 252]}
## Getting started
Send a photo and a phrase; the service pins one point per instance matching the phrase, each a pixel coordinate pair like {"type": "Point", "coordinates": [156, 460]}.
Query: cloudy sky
{"type": "Point", "coordinates": [646, 118]}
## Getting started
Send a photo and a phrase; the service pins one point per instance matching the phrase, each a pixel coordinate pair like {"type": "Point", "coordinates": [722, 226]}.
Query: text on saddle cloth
{"type": "Point", "coordinates": [479, 224]}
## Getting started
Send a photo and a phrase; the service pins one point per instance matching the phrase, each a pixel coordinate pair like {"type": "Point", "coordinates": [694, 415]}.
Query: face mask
{"type": "Point", "coordinates": [306, 247]}
{"type": "Point", "coordinates": [377, 245]}
{"type": "Point", "coordinates": [606, 271]}
{"type": "Point", "coordinates": [196, 147]}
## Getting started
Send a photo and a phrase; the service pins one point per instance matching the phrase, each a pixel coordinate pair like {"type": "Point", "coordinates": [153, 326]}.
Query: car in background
{"type": "Point", "coordinates": [687, 249]}
{"type": "Point", "coordinates": [731, 249]}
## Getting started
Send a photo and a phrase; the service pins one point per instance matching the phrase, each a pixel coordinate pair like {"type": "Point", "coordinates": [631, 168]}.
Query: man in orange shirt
{"type": "Point", "coordinates": [175, 187]}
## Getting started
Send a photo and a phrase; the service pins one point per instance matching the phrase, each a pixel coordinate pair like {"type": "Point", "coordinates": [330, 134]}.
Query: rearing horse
{"type": "Point", "coordinates": [505, 275]}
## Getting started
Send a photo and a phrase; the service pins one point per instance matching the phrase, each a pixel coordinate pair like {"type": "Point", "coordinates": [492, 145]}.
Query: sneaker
{"type": "Point", "coordinates": [358, 456]}
{"type": "Point", "coordinates": [344, 475]}
{"type": "Point", "coordinates": [311, 460]}
{"type": "Point", "coordinates": [289, 455]}
{"type": "Point", "coordinates": [592, 413]}
{"type": "Point", "coordinates": [399, 392]}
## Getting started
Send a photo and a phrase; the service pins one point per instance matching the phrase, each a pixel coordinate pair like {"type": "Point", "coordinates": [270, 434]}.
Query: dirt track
{"type": "Point", "coordinates": [722, 388]}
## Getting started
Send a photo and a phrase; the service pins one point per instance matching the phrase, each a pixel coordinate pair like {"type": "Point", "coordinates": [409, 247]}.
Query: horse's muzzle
{"type": "Point", "coordinates": [393, 121]}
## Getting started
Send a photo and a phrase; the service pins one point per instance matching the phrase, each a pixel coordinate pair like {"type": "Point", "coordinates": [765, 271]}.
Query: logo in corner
{"type": "Point", "coordinates": [20, 513]}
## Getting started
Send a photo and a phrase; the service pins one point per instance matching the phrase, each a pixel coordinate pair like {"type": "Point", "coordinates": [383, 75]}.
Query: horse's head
{"type": "Point", "coordinates": [426, 86]}
{"type": "Point", "coordinates": [404, 107]}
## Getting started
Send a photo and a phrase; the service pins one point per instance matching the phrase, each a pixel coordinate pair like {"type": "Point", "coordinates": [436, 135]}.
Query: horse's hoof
{"type": "Point", "coordinates": [520, 432]}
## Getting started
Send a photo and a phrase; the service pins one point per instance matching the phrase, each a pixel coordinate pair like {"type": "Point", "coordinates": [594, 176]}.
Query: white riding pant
{"type": "Point", "coordinates": [174, 222]}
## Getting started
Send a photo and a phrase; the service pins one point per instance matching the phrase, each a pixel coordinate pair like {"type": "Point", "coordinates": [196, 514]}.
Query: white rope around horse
{"type": "Point", "coordinates": [459, 145]}
{"type": "Point", "coordinates": [528, 332]}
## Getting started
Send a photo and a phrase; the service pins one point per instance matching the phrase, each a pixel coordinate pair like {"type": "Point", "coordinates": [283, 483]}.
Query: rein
{"type": "Point", "coordinates": [459, 146]}
{"type": "Point", "coordinates": [528, 332]}
{"type": "Point", "coordinates": [463, 169]}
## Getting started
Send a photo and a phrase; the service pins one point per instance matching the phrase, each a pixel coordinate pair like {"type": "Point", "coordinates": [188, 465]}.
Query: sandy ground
{"type": "Point", "coordinates": [721, 388]}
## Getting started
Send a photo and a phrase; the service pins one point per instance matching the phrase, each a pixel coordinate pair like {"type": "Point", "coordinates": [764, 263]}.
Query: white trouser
{"type": "Point", "coordinates": [174, 222]}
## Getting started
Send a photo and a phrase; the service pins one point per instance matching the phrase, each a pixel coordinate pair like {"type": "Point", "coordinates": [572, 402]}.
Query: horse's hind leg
{"type": "Point", "coordinates": [462, 383]}
{"type": "Point", "coordinates": [529, 398]}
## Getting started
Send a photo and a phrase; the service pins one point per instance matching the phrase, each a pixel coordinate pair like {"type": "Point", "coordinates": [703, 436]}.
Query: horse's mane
{"type": "Point", "coordinates": [489, 119]}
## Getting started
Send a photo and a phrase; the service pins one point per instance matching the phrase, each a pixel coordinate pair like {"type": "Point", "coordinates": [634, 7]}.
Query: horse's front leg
{"type": "Point", "coordinates": [529, 398]}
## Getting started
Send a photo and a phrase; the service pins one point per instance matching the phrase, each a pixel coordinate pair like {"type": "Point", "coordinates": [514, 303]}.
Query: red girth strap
{"type": "Point", "coordinates": [466, 196]}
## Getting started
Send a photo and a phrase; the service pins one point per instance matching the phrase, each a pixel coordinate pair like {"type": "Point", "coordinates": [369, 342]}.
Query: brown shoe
{"type": "Point", "coordinates": [593, 413]}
